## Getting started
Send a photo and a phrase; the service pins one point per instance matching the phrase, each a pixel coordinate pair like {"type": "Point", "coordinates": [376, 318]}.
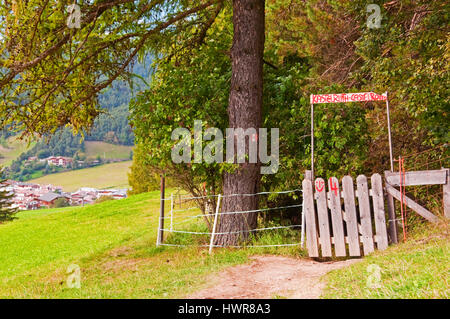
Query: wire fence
{"type": "Point", "coordinates": [190, 218]}
{"type": "Point", "coordinates": [431, 159]}
{"type": "Point", "coordinates": [429, 196]}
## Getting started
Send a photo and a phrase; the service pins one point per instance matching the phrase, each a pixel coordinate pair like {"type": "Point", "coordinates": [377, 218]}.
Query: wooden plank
{"type": "Point", "coordinates": [346, 239]}
{"type": "Point", "coordinates": [322, 216]}
{"type": "Point", "coordinates": [308, 175]}
{"type": "Point", "coordinates": [416, 178]}
{"type": "Point", "coordinates": [393, 232]}
{"type": "Point", "coordinates": [412, 204]}
{"type": "Point", "coordinates": [446, 198]}
{"type": "Point", "coordinates": [364, 214]}
{"type": "Point", "coordinates": [350, 212]}
{"type": "Point", "coordinates": [310, 218]}
{"type": "Point", "coordinates": [336, 217]}
{"type": "Point", "coordinates": [378, 211]}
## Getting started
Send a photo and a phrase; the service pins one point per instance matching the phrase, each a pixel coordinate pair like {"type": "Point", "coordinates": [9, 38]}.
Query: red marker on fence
{"type": "Point", "coordinates": [320, 185]}
{"type": "Point", "coordinates": [333, 186]}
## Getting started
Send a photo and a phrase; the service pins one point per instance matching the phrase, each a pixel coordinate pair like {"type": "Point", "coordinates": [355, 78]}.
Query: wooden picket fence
{"type": "Point", "coordinates": [344, 219]}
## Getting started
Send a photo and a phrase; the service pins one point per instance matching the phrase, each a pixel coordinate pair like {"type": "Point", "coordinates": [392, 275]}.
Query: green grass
{"type": "Point", "coordinates": [107, 150]}
{"type": "Point", "coordinates": [114, 245]}
{"type": "Point", "coordinates": [418, 268]}
{"type": "Point", "coordinates": [112, 175]}
{"type": "Point", "coordinates": [11, 149]}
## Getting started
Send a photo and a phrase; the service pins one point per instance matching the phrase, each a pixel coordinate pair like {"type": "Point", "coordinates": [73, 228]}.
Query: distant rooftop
{"type": "Point", "coordinates": [50, 196]}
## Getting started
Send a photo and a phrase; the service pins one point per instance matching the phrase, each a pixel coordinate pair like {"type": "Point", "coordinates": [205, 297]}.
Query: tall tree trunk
{"type": "Point", "coordinates": [244, 111]}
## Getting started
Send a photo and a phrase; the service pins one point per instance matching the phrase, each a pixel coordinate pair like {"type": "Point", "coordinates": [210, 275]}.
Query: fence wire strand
{"type": "Point", "coordinates": [190, 218]}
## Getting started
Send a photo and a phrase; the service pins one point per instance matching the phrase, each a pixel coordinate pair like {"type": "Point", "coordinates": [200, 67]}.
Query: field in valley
{"type": "Point", "coordinates": [11, 149]}
{"type": "Point", "coordinates": [106, 150]}
{"type": "Point", "coordinates": [113, 175]}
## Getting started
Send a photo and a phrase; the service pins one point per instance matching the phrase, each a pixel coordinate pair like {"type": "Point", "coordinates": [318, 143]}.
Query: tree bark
{"type": "Point", "coordinates": [244, 111]}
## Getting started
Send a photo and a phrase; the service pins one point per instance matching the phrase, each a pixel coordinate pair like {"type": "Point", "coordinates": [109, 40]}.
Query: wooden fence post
{"type": "Point", "coordinates": [378, 211]}
{"type": "Point", "coordinates": [311, 230]}
{"type": "Point", "coordinates": [446, 197]}
{"type": "Point", "coordinates": [393, 232]}
{"type": "Point", "coordinates": [336, 217]}
{"type": "Point", "coordinates": [364, 213]}
{"type": "Point", "coordinates": [160, 237]}
{"type": "Point", "coordinates": [392, 219]}
{"type": "Point", "coordinates": [350, 214]}
{"type": "Point", "coordinates": [322, 217]}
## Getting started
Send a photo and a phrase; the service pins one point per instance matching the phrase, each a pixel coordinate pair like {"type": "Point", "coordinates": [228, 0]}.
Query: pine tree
{"type": "Point", "coordinates": [6, 211]}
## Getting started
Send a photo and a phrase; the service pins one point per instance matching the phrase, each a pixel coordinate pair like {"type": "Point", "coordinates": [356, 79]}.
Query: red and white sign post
{"type": "Point", "coordinates": [356, 97]}
{"type": "Point", "coordinates": [345, 98]}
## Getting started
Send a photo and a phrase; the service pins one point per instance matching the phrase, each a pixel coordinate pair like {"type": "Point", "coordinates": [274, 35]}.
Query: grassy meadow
{"type": "Point", "coordinates": [417, 268]}
{"type": "Point", "coordinates": [107, 151]}
{"type": "Point", "coordinates": [114, 245]}
{"type": "Point", "coordinates": [113, 175]}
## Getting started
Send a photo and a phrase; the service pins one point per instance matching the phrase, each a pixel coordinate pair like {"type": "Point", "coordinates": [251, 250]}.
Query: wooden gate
{"type": "Point", "coordinates": [344, 218]}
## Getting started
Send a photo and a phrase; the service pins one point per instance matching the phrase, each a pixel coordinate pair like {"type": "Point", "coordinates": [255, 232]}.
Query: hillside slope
{"type": "Point", "coordinates": [114, 245]}
{"type": "Point", "coordinates": [11, 149]}
{"type": "Point", "coordinates": [112, 175]}
{"type": "Point", "coordinates": [107, 151]}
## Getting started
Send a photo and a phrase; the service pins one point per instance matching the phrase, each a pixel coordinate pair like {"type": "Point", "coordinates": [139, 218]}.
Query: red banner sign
{"type": "Point", "coordinates": [347, 97]}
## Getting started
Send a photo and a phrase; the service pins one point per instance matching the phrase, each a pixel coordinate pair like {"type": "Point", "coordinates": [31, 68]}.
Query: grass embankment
{"type": "Point", "coordinates": [106, 150]}
{"type": "Point", "coordinates": [11, 148]}
{"type": "Point", "coordinates": [418, 268]}
{"type": "Point", "coordinates": [112, 175]}
{"type": "Point", "coordinates": [114, 245]}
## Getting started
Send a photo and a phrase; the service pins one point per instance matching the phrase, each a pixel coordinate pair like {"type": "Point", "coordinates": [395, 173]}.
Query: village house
{"type": "Point", "coordinates": [49, 198]}
{"type": "Point", "coordinates": [59, 161]}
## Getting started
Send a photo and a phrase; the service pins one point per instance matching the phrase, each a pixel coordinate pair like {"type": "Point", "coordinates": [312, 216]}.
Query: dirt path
{"type": "Point", "coordinates": [271, 277]}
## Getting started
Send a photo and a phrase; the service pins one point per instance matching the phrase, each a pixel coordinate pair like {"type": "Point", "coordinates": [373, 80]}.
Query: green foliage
{"type": "Point", "coordinates": [51, 74]}
{"type": "Point", "coordinates": [185, 89]}
{"type": "Point", "coordinates": [60, 202]}
{"type": "Point", "coordinates": [142, 177]}
{"type": "Point", "coordinates": [196, 87]}
{"type": "Point", "coordinates": [7, 213]}
{"type": "Point", "coordinates": [113, 127]}
{"type": "Point", "coordinates": [407, 56]}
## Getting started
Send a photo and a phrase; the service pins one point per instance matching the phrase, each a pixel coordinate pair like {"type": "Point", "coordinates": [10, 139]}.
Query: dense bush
{"type": "Point", "coordinates": [60, 202]}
